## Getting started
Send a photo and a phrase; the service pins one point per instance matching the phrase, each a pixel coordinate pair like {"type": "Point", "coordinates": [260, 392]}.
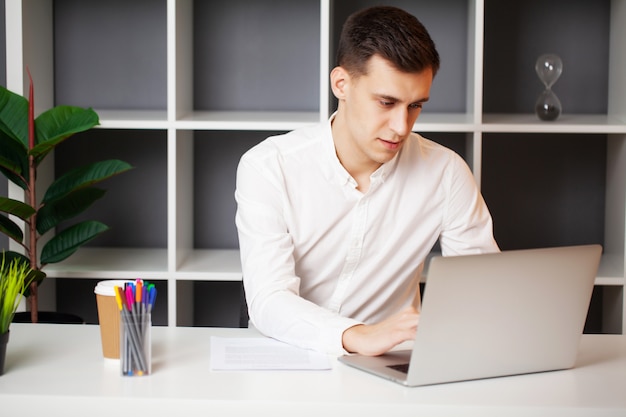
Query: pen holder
{"type": "Point", "coordinates": [135, 343]}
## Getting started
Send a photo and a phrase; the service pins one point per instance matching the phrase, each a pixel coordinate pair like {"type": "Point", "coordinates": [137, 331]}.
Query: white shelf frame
{"type": "Point", "coordinates": [180, 263]}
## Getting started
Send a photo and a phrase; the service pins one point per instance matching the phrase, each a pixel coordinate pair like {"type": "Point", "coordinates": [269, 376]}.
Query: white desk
{"type": "Point", "coordinates": [59, 370]}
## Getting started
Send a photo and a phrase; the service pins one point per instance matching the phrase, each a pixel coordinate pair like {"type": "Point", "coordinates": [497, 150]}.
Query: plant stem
{"type": "Point", "coordinates": [32, 197]}
{"type": "Point", "coordinates": [32, 225]}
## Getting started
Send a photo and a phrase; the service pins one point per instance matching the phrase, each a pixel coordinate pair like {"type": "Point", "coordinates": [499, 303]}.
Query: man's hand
{"type": "Point", "coordinates": [376, 339]}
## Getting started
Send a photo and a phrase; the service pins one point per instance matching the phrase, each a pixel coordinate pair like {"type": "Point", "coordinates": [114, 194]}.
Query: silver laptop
{"type": "Point", "coordinates": [493, 315]}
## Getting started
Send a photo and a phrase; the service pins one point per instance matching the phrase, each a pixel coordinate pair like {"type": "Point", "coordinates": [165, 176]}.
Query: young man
{"type": "Point", "coordinates": [335, 220]}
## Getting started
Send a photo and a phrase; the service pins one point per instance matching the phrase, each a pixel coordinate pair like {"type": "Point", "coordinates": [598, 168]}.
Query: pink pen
{"type": "Point", "coordinates": [129, 298]}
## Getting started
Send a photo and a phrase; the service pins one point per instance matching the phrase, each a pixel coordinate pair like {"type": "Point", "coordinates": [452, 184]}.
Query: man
{"type": "Point", "coordinates": [335, 220]}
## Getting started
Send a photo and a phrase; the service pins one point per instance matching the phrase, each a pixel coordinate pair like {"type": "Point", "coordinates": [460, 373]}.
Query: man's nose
{"type": "Point", "coordinates": [400, 122]}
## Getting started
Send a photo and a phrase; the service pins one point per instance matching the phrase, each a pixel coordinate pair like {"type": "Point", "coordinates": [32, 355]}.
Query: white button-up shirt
{"type": "Point", "coordinates": [319, 256]}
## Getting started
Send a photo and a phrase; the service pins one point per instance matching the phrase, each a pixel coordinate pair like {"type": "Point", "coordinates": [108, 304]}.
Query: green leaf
{"type": "Point", "coordinates": [14, 116]}
{"type": "Point", "coordinates": [14, 173]}
{"type": "Point", "coordinates": [14, 161]}
{"type": "Point", "coordinates": [11, 229]}
{"type": "Point", "coordinates": [70, 240]}
{"type": "Point", "coordinates": [14, 137]}
{"type": "Point", "coordinates": [59, 123]}
{"type": "Point", "coordinates": [13, 155]}
{"type": "Point", "coordinates": [70, 205]}
{"type": "Point", "coordinates": [84, 177]}
{"type": "Point", "coordinates": [16, 208]}
{"type": "Point", "coordinates": [35, 275]}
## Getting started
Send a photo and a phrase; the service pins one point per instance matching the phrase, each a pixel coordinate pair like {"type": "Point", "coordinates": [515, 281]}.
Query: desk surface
{"type": "Point", "coordinates": [60, 367]}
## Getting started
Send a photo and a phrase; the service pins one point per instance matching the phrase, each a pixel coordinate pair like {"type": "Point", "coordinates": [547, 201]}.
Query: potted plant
{"type": "Point", "coordinates": [15, 277]}
{"type": "Point", "coordinates": [25, 141]}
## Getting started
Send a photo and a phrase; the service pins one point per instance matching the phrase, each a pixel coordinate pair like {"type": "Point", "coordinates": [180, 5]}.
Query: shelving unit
{"type": "Point", "coordinates": [183, 88]}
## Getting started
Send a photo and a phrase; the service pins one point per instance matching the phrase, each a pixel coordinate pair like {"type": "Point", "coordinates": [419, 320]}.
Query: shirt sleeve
{"type": "Point", "coordinates": [467, 226]}
{"type": "Point", "coordinates": [271, 285]}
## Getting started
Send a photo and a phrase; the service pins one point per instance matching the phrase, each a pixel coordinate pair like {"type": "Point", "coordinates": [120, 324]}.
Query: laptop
{"type": "Point", "coordinates": [492, 315]}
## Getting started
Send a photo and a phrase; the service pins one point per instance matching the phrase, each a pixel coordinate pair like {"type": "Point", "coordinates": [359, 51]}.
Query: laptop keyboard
{"type": "Point", "coordinates": [402, 367]}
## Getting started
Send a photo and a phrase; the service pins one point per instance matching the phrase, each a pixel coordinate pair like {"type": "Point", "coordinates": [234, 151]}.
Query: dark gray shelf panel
{"type": "Point", "coordinates": [219, 304]}
{"type": "Point", "coordinates": [216, 156]}
{"type": "Point", "coordinates": [135, 205]}
{"type": "Point", "coordinates": [517, 33]}
{"type": "Point", "coordinates": [251, 55]}
{"type": "Point", "coordinates": [111, 54]}
{"type": "Point", "coordinates": [545, 190]}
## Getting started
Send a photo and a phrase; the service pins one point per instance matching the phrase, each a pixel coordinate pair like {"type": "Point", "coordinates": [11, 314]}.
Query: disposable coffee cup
{"type": "Point", "coordinates": [109, 317]}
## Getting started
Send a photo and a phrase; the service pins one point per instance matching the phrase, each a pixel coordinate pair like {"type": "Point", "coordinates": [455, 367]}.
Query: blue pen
{"type": "Point", "coordinates": [151, 297]}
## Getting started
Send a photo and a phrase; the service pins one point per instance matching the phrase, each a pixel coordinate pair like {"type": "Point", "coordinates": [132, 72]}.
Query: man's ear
{"type": "Point", "coordinates": [339, 80]}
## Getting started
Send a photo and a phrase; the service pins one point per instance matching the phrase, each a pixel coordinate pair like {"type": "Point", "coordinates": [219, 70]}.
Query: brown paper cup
{"type": "Point", "coordinates": [109, 317]}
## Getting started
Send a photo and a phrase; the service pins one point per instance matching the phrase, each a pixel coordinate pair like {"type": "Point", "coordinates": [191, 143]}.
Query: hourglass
{"type": "Point", "coordinates": [549, 68]}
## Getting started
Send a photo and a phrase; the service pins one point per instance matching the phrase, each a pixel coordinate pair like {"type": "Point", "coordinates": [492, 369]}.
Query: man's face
{"type": "Point", "coordinates": [379, 111]}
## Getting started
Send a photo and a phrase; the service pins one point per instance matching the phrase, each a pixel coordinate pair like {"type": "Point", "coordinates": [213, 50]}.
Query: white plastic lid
{"type": "Point", "coordinates": [107, 287]}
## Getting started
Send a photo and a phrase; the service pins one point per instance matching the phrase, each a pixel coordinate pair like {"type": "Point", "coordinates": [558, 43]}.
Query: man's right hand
{"type": "Point", "coordinates": [376, 339]}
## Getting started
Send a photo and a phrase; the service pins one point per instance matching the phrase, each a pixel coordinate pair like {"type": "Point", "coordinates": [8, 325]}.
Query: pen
{"type": "Point", "coordinates": [124, 354]}
{"type": "Point", "coordinates": [138, 306]}
{"type": "Point", "coordinates": [144, 298]}
{"type": "Point", "coordinates": [151, 297]}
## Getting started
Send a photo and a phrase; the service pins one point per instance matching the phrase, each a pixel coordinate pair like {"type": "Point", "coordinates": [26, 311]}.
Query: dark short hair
{"type": "Point", "coordinates": [391, 33]}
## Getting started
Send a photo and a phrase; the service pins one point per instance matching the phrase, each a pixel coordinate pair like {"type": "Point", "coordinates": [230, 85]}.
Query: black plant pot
{"type": "Point", "coordinates": [4, 341]}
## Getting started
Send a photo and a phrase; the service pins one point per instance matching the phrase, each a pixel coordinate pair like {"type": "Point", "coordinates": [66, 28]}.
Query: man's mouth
{"type": "Point", "coordinates": [391, 145]}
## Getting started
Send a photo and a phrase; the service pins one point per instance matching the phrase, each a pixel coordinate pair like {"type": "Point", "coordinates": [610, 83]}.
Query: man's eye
{"type": "Point", "coordinates": [385, 103]}
{"type": "Point", "coordinates": [416, 106]}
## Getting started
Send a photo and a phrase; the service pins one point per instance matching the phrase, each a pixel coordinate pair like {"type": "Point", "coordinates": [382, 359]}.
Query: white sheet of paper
{"type": "Point", "coordinates": [261, 353]}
